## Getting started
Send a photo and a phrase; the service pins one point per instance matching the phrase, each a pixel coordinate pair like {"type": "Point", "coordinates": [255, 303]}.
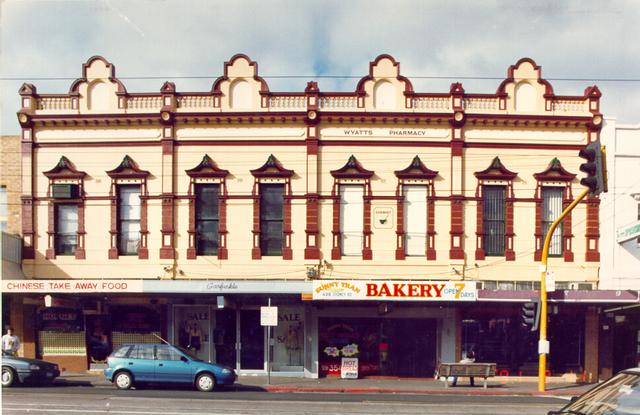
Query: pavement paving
{"type": "Point", "coordinates": [499, 386]}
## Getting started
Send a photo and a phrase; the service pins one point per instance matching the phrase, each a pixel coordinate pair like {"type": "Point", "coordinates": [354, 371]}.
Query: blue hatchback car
{"type": "Point", "coordinates": [164, 363]}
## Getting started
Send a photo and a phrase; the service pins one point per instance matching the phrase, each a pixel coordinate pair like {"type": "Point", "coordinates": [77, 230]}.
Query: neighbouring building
{"type": "Point", "coordinates": [620, 218]}
{"type": "Point", "coordinates": [396, 226]}
{"type": "Point", "coordinates": [10, 224]}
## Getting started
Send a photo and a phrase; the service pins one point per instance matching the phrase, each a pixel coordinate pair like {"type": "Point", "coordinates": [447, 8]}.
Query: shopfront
{"type": "Point", "coordinates": [220, 321]}
{"type": "Point", "coordinates": [393, 328]}
{"type": "Point", "coordinates": [232, 335]}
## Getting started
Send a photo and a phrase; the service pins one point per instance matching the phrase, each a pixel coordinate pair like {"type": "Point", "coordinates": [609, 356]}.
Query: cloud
{"type": "Point", "coordinates": [173, 38]}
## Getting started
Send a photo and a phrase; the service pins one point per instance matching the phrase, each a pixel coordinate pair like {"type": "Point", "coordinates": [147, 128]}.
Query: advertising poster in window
{"type": "Point", "coordinates": [192, 329]}
{"type": "Point", "coordinates": [289, 336]}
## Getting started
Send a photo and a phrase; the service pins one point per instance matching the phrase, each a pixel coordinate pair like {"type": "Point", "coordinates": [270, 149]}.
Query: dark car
{"type": "Point", "coordinates": [164, 363]}
{"type": "Point", "coordinates": [620, 395]}
{"type": "Point", "coordinates": [20, 370]}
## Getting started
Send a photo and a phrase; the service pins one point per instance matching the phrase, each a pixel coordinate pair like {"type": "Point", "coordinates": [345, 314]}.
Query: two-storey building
{"type": "Point", "coordinates": [397, 226]}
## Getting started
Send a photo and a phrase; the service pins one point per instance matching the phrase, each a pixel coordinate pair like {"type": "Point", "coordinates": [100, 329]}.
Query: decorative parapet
{"type": "Point", "coordinates": [523, 94]}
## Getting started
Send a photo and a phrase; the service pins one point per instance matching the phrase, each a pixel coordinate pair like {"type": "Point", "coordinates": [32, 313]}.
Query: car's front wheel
{"type": "Point", "coordinates": [123, 380]}
{"type": "Point", "coordinates": [8, 376]}
{"type": "Point", "coordinates": [205, 382]}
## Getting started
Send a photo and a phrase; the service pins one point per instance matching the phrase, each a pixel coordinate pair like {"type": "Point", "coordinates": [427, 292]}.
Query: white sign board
{"type": "Point", "coordinates": [72, 286]}
{"type": "Point", "coordinates": [550, 281]}
{"type": "Point", "coordinates": [349, 368]}
{"type": "Point", "coordinates": [394, 290]}
{"type": "Point", "coordinates": [628, 232]}
{"type": "Point", "coordinates": [268, 316]}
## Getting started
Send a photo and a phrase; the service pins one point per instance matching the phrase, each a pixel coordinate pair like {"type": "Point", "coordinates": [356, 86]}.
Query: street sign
{"type": "Point", "coordinates": [628, 232]}
{"type": "Point", "coordinates": [268, 316]}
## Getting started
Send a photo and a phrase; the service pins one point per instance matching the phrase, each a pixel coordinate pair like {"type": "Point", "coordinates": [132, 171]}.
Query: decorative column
{"type": "Point", "coordinates": [312, 231]}
{"type": "Point", "coordinates": [167, 120]}
{"type": "Point", "coordinates": [456, 250]}
{"type": "Point", "coordinates": [28, 96]}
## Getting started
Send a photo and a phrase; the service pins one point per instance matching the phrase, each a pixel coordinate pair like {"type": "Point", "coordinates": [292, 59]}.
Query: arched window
{"type": "Point", "coordinates": [240, 93]}
{"type": "Point", "coordinates": [384, 95]}
{"type": "Point", "coordinates": [525, 97]}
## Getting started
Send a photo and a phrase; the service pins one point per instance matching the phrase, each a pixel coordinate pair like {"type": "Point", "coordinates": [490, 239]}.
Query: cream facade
{"type": "Point", "coordinates": [380, 143]}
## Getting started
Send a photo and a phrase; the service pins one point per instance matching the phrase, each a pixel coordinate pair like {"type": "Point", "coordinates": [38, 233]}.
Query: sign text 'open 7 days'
{"type": "Point", "coordinates": [394, 290]}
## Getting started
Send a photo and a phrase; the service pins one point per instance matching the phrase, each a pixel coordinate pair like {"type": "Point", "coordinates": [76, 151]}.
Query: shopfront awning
{"type": "Point", "coordinates": [562, 296]}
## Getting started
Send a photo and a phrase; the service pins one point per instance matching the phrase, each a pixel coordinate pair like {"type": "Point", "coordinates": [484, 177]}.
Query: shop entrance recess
{"type": "Point", "coordinates": [227, 336]}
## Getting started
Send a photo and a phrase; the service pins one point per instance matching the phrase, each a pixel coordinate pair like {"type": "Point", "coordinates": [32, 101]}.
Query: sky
{"type": "Point", "coordinates": [592, 40]}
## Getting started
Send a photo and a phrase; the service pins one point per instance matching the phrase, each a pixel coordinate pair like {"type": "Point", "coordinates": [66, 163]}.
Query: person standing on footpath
{"type": "Point", "coordinates": [10, 343]}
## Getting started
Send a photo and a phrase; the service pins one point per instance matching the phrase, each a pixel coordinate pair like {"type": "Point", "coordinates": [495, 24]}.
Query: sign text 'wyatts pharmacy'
{"type": "Point", "coordinates": [394, 290]}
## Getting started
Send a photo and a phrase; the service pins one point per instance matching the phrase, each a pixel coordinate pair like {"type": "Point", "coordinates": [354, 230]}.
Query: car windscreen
{"type": "Point", "coordinates": [188, 353]}
{"type": "Point", "coordinates": [619, 395]}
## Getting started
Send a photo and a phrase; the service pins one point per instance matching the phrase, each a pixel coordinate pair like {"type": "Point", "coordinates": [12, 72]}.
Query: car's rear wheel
{"type": "Point", "coordinates": [123, 380]}
{"type": "Point", "coordinates": [8, 377]}
{"type": "Point", "coordinates": [205, 382]}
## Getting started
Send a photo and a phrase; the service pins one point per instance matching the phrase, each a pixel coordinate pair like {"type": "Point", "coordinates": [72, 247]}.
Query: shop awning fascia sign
{"type": "Point", "coordinates": [394, 290]}
{"type": "Point", "coordinates": [112, 286]}
{"type": "Point", "coordinates": [628, 232]}
{"type": "Point", "coordinates": [226, 287]}
{"type": "Point", "coordinates": [562, 296]}
{"type": "Point", "coordinates": [72, 286]}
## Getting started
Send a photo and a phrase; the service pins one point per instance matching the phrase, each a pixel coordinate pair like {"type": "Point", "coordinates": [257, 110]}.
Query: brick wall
{"type": "Point", "coordinates": [10, 173]}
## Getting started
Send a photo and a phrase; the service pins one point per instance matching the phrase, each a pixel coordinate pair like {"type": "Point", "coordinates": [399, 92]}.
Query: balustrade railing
{"type": "Point", "coordinates": [338, 102]}
{"type": "Point", "coordinates": [53, 103]}
{"type": "Point", "coordinates": [432, 103]}
{"type": "Point", "coordinates": [290, 102]}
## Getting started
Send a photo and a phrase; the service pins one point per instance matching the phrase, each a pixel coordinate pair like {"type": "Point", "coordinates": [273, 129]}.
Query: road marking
{"type": "Point", "coordinates": [107, 411]}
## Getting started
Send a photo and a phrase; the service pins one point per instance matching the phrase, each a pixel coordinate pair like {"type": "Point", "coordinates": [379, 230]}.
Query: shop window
{"type": "Point", "coordinates": [494, 219]}
{"type": "Point", "coordinates": [66, 237]}
{"type": "Point", "coordinates": [351, 223]}
{"type": "Point", "coordinates": [415, 219]}
{"type": "Point", "coordinates": [128, 219]}
{"type": "Point", "coordinates": [207, 218]}
{"type": "Point", "coordinates": [271, 219]}
{"type": "Point", "coordinates": [551, 209]}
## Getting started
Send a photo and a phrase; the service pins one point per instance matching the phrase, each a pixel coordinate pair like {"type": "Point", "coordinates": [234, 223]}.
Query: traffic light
{"type": "Point", "coordinates": [595, 167]}
{"type": "Point", "coordinates": [531, 314]}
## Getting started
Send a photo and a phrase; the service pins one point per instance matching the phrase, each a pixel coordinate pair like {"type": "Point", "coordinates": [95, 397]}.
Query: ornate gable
{"type": "Point", "coordinates": [64, 170]}
{"type": "Point", "coordinates": [416, 170]}
{"type": "Point", "coordinates": [207, 168]}
{"type": "Point", "coordinates": [555, 172]}
{"type": "Point", "coordinates": [127, 169]}
{"type": "Point", "coordinates": [352, 170]}
{"type": "Point", "coordinates": [496, 171]}
{"type": "Point", "coordinates": [272, 168]}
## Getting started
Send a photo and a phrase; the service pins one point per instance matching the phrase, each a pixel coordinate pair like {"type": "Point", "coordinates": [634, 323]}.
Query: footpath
{"type": "Point", "coordinates": [514, 386]}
